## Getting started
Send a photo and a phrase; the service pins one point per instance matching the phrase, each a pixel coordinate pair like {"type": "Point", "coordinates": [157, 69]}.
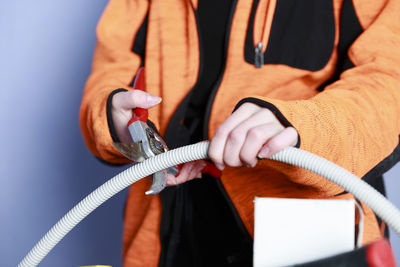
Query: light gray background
{"type": "Point", "coordinates": [46, 48]}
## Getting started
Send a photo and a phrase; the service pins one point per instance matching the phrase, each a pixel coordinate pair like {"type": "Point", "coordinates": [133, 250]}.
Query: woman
{"type": "Point", "coordinates": [321, 75]}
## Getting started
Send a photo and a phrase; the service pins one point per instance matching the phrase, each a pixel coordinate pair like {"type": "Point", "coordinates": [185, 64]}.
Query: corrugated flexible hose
{"type": "Point", "coordinates": [351, 183]}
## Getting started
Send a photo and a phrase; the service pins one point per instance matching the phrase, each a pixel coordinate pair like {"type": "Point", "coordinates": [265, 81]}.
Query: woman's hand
{"type": "Point", "coordinates": [121, 110]}
{"type": "Point", "coordinates": [251, 132]}
{"type": "Point", "coordinates": [189, 171]}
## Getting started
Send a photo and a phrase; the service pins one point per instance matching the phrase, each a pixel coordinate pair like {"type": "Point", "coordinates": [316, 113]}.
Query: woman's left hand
{"type": "Point", "coordinates": [249, 133]}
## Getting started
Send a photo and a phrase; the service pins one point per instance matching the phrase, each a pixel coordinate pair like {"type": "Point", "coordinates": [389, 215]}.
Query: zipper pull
{"type": "Point", "coordinates": [259, 56]}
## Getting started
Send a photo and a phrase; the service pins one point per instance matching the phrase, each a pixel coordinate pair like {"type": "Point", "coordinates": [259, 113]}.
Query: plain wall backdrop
{"type": "Point", "coordinates": [46, 49]}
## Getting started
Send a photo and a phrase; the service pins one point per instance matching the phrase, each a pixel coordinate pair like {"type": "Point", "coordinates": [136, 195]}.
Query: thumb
{"type": "Point", "coordinates": [138, 99]}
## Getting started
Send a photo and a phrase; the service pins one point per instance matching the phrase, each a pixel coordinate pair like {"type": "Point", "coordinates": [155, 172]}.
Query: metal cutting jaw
{"type": "Point", "coordinates": [146, 143]}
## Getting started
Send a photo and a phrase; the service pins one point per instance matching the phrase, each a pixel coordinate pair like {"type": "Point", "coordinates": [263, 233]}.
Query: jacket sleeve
{"type": "Point", "coordinates": [355, 121]}
{"type": "Point", "coordinates": [114, 66]}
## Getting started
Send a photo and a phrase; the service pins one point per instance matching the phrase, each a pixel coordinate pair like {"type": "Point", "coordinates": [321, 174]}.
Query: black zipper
{"type": "Point", "coordinates": [208, 112]}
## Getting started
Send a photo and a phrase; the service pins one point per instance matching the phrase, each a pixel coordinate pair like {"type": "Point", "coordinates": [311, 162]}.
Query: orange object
{"type": "Point", "coordinates": [345, 107]}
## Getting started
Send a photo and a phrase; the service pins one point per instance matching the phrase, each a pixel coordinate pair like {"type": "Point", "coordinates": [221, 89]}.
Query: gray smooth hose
{"type": "Point", "coordinates": [351, 183]}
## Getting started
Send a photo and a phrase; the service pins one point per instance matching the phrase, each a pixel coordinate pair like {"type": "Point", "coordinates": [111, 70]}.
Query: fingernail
{"type": "Point", "coordinates": [220, 166]}
{"type": "Point", "coordinates": [264, 153]}
{"type": "Point", "coordinates": [252, 165]}
{"type": "Point", "coordinates": [153, 100]}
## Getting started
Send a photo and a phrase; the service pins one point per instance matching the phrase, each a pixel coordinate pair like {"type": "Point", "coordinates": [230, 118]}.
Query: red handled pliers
{"type": "Point", "coordinates": [146, 142]}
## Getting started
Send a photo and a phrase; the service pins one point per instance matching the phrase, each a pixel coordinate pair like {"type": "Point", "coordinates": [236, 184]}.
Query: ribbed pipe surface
{"type": "Point", "coordinates": [361, 190]}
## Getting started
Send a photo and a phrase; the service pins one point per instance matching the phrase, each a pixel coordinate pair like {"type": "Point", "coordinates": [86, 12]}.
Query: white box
{"type": "Point", "coordinates": [293, 231]}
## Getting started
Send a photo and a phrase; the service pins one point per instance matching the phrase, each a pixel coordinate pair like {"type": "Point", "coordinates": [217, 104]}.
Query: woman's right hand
{"type": "Point", "coordinates": [121, 110]}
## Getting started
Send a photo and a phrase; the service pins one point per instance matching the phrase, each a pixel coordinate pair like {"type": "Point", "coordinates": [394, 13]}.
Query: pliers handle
{"type": "Point", "coordinates": [147, 142]}
{"type": "Point", "coordinates": [139, 114]}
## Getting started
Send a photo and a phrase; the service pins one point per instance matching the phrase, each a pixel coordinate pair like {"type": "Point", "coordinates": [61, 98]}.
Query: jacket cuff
{"type": "Point", "coordinates": [110, 122]}
{"type": "Point", "coordinates": [272, 108]}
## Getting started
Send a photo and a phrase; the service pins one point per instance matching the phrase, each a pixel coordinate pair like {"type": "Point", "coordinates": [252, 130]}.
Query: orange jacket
{"type": "Point", "coordinates": [331, 68]}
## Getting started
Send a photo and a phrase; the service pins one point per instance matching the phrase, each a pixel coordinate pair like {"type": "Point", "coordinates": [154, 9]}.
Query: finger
{"type": "Point", "coordinates": [196, 171]}
{"type": "Point", "coordinates": [286, 138]}
{"type": "Point", "coordinates": [236, 138]}
{"type": "Point", "coordinates": [198, 175]}
{"type": "Point", "coordinates": [171, 180]}
{"type": "Point", "coordinates": [198, 166]}
{"type": "Point", "coordinates": [217, 144]}
{"type": "Point", "coordinates": [188, 172]}
{"type": "Point", "coordinates": [191, 171]}
{"type": "Point", "coordinates": [184, 174]}
{"type": "Point", "coordinates": [136, 99]}
{"type": "Point", "coordinates": [255, 139]}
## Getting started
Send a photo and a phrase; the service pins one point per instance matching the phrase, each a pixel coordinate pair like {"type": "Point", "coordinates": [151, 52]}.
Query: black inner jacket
{"type": "Point", "coordinates": [198, 227]}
